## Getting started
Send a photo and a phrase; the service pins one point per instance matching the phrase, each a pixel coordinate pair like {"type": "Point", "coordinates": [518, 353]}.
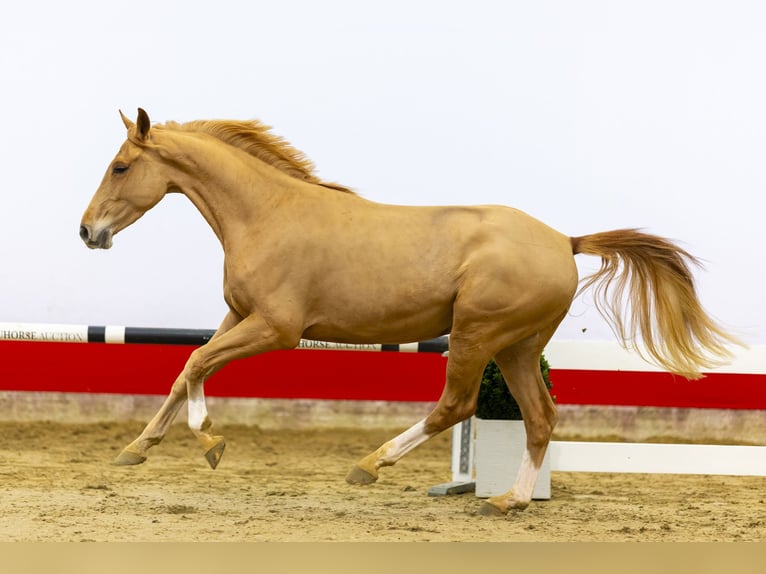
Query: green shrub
{"type": "Point", "coordinates": [495, 401]}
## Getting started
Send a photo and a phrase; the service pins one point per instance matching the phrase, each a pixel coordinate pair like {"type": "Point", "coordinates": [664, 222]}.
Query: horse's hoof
{"type": "Point", "coordinates": [360, 476]}
{"type": "Point", "coordinates": [214, 454]}
{"type": "Point", "coordinates": [488, 509]}
{"type": "Point", "coordinates": [128, 458]}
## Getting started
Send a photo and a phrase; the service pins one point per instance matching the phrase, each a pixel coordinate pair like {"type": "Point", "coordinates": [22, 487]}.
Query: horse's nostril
{"type": "Point", "coordinates": [84, 233]}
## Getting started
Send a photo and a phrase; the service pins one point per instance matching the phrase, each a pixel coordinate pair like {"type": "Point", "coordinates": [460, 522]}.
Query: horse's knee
{"type": "Point", "coordinates": [195, 368]}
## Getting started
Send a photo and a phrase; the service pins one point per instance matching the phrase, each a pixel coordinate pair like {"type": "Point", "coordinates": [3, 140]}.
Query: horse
{"type": "Point", "coordinates": [306, 258]}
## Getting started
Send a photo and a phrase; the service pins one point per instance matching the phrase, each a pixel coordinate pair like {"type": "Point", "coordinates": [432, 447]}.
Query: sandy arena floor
{"type": "Point", "coordinates": [57, 484]}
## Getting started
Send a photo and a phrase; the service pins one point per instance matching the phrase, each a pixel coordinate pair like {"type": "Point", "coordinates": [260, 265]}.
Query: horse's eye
{"type": "Point", "coordinates": [119, 168]}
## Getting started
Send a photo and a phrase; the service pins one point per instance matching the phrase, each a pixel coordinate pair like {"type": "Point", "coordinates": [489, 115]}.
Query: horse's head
{"type": "Point", "coordinates": [133, 184]}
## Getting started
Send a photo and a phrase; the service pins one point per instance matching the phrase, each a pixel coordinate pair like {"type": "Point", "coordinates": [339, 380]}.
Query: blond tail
{"type": "Point", "coordinates": [645, 290]}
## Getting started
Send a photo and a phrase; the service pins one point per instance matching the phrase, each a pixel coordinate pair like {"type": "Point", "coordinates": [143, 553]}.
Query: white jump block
{"type": "Point", "coordinates": [493, 463]}
{"type": "Point", "coordinates": [499, 447]}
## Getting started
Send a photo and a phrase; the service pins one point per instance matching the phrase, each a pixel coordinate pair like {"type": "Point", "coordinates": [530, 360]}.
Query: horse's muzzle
{"type": "Point", "coordinates": [100, 240]}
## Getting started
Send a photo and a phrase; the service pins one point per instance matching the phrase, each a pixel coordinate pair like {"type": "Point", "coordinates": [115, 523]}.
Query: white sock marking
{"type": "Point", "coordinates": [526, 479]}
{"type": "Point", "coordinates": [400, 445]}
{"type": "Point", "coordinates": [197, 411]}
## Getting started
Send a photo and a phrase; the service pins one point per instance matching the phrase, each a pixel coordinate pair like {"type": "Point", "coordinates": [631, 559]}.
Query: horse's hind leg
{"type": "Point", "coordinates": [520, 366]}
{"type": "Point", "coordinates": [457, 403]}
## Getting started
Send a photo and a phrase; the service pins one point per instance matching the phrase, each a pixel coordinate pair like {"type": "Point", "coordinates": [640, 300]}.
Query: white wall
{"type": "Point", "coordinates": [591, 115]}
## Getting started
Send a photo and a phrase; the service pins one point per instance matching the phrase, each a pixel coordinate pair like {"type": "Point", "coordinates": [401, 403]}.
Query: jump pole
{"type": "Point", "coordinates": [120, 335]}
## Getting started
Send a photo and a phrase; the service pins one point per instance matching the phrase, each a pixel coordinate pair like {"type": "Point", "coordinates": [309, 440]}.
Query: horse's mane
{"type": "Point", "coordinates": [257, 139]}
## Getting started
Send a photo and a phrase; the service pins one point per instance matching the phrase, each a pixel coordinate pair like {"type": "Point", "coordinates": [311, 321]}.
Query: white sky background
{"type": "Point", "coordinates": [590, 115]}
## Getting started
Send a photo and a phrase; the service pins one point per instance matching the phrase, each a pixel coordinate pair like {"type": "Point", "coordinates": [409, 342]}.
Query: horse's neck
{"type": "Point", "coordinates": [230, 190]}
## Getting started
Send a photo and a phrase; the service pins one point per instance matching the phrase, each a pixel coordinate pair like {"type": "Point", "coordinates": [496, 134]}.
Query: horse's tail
{"type": "Point", "coordinates": [645, 288]}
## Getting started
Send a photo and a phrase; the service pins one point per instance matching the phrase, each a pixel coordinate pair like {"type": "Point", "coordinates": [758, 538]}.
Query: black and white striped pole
{"type": "Point", "coordinates": [65, 333]}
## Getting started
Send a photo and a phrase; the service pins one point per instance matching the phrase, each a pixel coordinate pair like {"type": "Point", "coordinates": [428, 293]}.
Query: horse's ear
{"type": "Point", "coordinates": [143, 124]}
{"type": "Point", "coordinates": [128, 124]}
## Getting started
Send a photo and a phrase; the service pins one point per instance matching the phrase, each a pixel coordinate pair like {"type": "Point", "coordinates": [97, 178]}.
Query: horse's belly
{"type": "Point", "coordinates": [375, 323]}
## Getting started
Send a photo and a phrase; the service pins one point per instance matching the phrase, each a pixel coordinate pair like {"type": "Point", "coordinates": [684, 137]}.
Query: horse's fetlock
{"type": "Point", "coordinates": [146, 443]}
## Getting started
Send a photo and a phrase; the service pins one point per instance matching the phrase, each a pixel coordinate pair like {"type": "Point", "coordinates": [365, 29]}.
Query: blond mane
{"type": "Point", "coordinates": [257, 139]}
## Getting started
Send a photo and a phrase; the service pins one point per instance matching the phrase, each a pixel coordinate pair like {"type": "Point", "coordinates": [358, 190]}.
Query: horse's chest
{"type": "Point", "coordinates": [237, 297]}
{"type": "Point", "coordinates": [247, 292]}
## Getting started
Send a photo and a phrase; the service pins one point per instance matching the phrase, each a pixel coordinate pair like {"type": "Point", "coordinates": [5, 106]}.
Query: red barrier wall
{"type": "Point", "coordinates": [151, 369]}
{"type": "Point", "coordinates": [352, 375]}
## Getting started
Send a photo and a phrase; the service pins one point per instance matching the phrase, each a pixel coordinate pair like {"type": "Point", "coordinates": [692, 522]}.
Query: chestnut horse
{"type": "Point", "coordinates": [309, 259]}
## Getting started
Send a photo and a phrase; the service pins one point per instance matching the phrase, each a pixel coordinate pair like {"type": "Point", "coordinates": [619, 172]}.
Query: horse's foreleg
{"type": "Point", "coordinates": [520, 366]}
{"type": "Point", "coordinates": [199, 422]}
{"type": "Point", "coordinates": [154, 432]}
{"type": "Point", "coordinates": [457, 403]}
{"type": "Point", "coordinates": [251, 336]}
